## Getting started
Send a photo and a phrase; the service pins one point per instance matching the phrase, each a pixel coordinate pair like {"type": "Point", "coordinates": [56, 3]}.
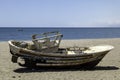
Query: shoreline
{"type": "Point", "coordinates": [107, 69]}
{"type": "Point", "coordinates": [68, 39]}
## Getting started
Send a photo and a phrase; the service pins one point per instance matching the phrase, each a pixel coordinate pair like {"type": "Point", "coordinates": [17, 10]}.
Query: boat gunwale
{"type": "Point", "coordinates": [36, 53]}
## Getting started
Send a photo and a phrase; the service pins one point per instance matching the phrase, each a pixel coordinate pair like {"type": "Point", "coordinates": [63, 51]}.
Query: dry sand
{"type": "Point", "coordinates": [107, 69]}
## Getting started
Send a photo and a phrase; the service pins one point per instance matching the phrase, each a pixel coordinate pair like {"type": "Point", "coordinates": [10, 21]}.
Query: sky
{"type": "Point", "coordinates": [59, 13]}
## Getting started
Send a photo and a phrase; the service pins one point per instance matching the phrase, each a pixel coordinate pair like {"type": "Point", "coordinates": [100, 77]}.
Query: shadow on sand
{"type": "Point", "coordinates": [39, 69]}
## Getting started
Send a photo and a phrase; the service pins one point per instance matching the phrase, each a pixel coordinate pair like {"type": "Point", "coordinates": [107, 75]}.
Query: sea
{"type": "Point", "coordinates": [21, 33]}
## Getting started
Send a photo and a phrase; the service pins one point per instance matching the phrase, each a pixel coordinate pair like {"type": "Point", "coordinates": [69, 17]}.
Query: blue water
{"type": "Point", "coordinates": [69, 33]}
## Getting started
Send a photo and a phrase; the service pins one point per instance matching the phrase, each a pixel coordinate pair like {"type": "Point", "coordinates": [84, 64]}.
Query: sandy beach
{"type": "Point", "coordinates": [107, 69]}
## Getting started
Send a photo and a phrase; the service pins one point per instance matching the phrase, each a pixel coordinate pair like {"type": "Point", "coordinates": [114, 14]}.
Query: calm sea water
{"type": "Point", "coordinates": [69, 33]}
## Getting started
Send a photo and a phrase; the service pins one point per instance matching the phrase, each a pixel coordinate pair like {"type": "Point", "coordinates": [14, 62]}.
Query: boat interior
{"type": "Point", "coordinates": [50, 41]}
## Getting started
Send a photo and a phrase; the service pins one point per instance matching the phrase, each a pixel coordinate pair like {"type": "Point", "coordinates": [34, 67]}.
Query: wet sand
{"type": "Point", "coordinates": [107, 69]}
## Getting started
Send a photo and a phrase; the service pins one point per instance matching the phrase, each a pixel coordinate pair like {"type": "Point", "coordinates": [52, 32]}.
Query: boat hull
{"type": "Point", "coordinates": [89, 61]}
{"type": "Point", "coordinates": [35, 58]}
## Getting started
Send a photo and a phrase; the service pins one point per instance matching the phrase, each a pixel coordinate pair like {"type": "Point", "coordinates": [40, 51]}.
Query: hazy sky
{"type": "Point", "coordinates": [59, 13]}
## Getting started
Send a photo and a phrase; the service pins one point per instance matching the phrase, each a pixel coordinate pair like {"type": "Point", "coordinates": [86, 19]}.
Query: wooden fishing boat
{"type": "Point", "coordinates": [45, 52]}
